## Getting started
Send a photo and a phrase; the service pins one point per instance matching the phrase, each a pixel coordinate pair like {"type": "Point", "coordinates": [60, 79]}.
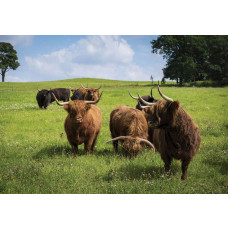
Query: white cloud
{"type": "Point", "coordinates": [10, 78]}
{"type": "Point", "coordinates": [109, 57]}
{"type": "Point", "coordinates": [17, 40]}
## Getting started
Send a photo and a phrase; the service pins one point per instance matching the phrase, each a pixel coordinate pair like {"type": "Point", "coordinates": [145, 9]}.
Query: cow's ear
{"type": "Point", "coordinates": [88, 106]}
{"type": "Point", "coordinates": [67, 107]}
{"type": "Point", "coordinates": [173, 107]}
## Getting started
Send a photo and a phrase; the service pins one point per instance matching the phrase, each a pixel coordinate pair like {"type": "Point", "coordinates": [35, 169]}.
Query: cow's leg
{"type": "Point", "coordinates": [88, 145]}
{"type": "Point", "coordinates": [167, 160]}
{"type": "Point", "coordinates": [46, 105]}
{"type": "Point", "coordinates": [115, 146]}
{"type": "Point", "coordinates": [94, 142]}
{"type": "Point", "coordinates": [75, 149]}
{"type": "Point", "coordinates": [184, 167]}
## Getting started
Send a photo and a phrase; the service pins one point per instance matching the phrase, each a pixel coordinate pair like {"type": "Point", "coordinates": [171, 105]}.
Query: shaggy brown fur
{"type": "Point", "coordinates": [89, 94]}
{"type": "Point", "coordinates": [92, 94]}
{"type": "Point", "coordinates": [173, 132]}
{"type": "Point", "coordinates": [82, 90]}
{"type": "Point", "coordinates": [125, 121]}
{"type": "Point", "coordinates": [82, 125]}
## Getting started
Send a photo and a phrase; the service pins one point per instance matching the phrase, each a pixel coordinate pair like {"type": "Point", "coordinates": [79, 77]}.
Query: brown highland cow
{"type": "Point", "coordinates": [92, 94]}
{"type": "Point", "coordinates": [81, 90]}
{"type": "Point", "coordinates": [89, 94]}
{"type": "Point", "coordinates": [175, 135]}
{"type": "Point", "coordinates": [139, 105]}
{"type": "Point", "coordinates": [129, 126]}
{"type": "Point", "coordinates": [82, 124]}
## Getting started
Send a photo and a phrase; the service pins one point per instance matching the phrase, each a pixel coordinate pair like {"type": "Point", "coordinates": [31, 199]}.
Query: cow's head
{"type": "Point", "coordinates": [92, 94]}
{"type": "Point", "coordinates": [77, 109]}
{"type": "Point", "coordinates": [161, 114]}
{"type": "Point", "coordinates": [43, 98]}
{"type": "Point", "coordinates": [132, 145]}
{"type": "Point", "coordinates": [145, 98]}
{"type": "Point", "coordinates": [77, 95]}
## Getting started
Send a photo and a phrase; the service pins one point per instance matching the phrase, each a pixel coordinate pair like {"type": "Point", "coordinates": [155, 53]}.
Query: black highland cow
{"type": "Point", "coordinates": [77, 95]}
{"type": "Point", "coordinates": [145, 98]}
{"type": "Point", "coordinates": [44, 97]}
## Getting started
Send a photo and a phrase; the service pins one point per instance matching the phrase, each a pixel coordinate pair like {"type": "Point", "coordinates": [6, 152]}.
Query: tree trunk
{"type": "Point", "coordinates": [3, 75]}
{"type": "Point", "coordinates": [181, 81]}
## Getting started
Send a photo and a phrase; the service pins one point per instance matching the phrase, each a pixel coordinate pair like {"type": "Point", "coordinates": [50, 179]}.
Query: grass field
{"type": "Point", "coordinates": [37, 158]}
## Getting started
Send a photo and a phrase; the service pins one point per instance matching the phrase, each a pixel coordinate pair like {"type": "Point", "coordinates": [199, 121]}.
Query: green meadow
{"type": "Point", "coordinates": [37, 158]}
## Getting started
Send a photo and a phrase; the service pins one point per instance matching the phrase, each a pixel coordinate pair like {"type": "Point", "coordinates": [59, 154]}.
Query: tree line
{"type": "Point", "coordinates": [192, 58]}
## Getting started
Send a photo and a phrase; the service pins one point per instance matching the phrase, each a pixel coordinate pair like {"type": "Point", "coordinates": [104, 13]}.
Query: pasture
{"type": "Point", "coordinates": [37, 158]}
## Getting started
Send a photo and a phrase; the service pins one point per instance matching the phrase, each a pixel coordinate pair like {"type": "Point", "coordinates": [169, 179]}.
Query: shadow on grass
{"type": "Point", "coordinates": [226, 127]}
{"type": "Point", "coordinates": [104, 152]}
{"type": "Point", "coordinates": [2, 187]}
{"type": "Point", "coordinates": [141, 172]}
{"type": "Point", "coordinates": [218, 164]}
{"type": "Point", "coordinates": [56, 151]}
{"type": "Point", "coordinates": [53, 151]}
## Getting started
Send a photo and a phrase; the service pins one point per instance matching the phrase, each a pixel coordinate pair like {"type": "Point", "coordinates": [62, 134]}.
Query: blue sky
{"type": "Point", "coordinates": [58, 57]}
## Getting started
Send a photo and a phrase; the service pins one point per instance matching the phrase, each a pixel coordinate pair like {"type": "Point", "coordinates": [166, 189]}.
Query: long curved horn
{"type": "Point", "coordinates": [38, 89]}
{"type": "Point", "coordinates": [61, 104]}
{"type": "Point", "coordinates": [83, 86]}
{"type": "Point", "coordinates": [142, 106]}
{"type": "Point", "coordinates": [119, 138]}
{"type": "Point", "coordinates": [136, 98]}
{"type": "Point", "coordinates": [141, 140]}
{"type": "Point", "coordinates": [147, 143]}
{"type": "Point", "coordinates": [98, 88]}
{"type": "Point", "coordinates": [163, 96]}
{"type": "Point", "coordinates": [145, 102]}
{"type": "Point", "coordinates": [94, 102]}
{"type": "Point", "coordinates": [151, 95]}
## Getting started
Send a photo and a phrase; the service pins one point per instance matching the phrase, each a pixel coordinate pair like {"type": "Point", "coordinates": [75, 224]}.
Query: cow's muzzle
{"type": "Point", "coordinates": [79, 120]}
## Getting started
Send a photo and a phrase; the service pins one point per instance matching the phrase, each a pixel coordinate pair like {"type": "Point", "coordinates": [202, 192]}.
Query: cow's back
{"type": "Point", "coordinates": [61, 94]}
{"type": "Point", "coordinates": [128, 121]}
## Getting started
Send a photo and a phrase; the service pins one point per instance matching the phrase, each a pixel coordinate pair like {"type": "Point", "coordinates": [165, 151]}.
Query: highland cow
{"type": "Point", "coordinates": [82, 124]}
{"type": "Point", "coordinates": [89, 94]}
{"type": "Point", "coordinates": [44, 97]}
{"type": "Point", "coordinates": [77, 95]}
{"type": "Point", "coordinates": [81, 90]}
{"type": "Point", "coordinates": [129, 126]}
{"type": "Point", "coordinates": [92, 94]}
{"type": "Point", "coordinates": [175, 135]}
{"type": "Point", "coordinates": [145, 98]}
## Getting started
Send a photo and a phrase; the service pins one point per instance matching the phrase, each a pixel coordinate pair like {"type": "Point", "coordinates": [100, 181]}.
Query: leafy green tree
{"type": "Point", "coordinates": [185, 57]}
{"type": "Point", "coordinates": [8, 59]}
{"type": "Point", "coordinates": [218, 57]}
{"type": "Point", "coordinates": [193, 58]}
